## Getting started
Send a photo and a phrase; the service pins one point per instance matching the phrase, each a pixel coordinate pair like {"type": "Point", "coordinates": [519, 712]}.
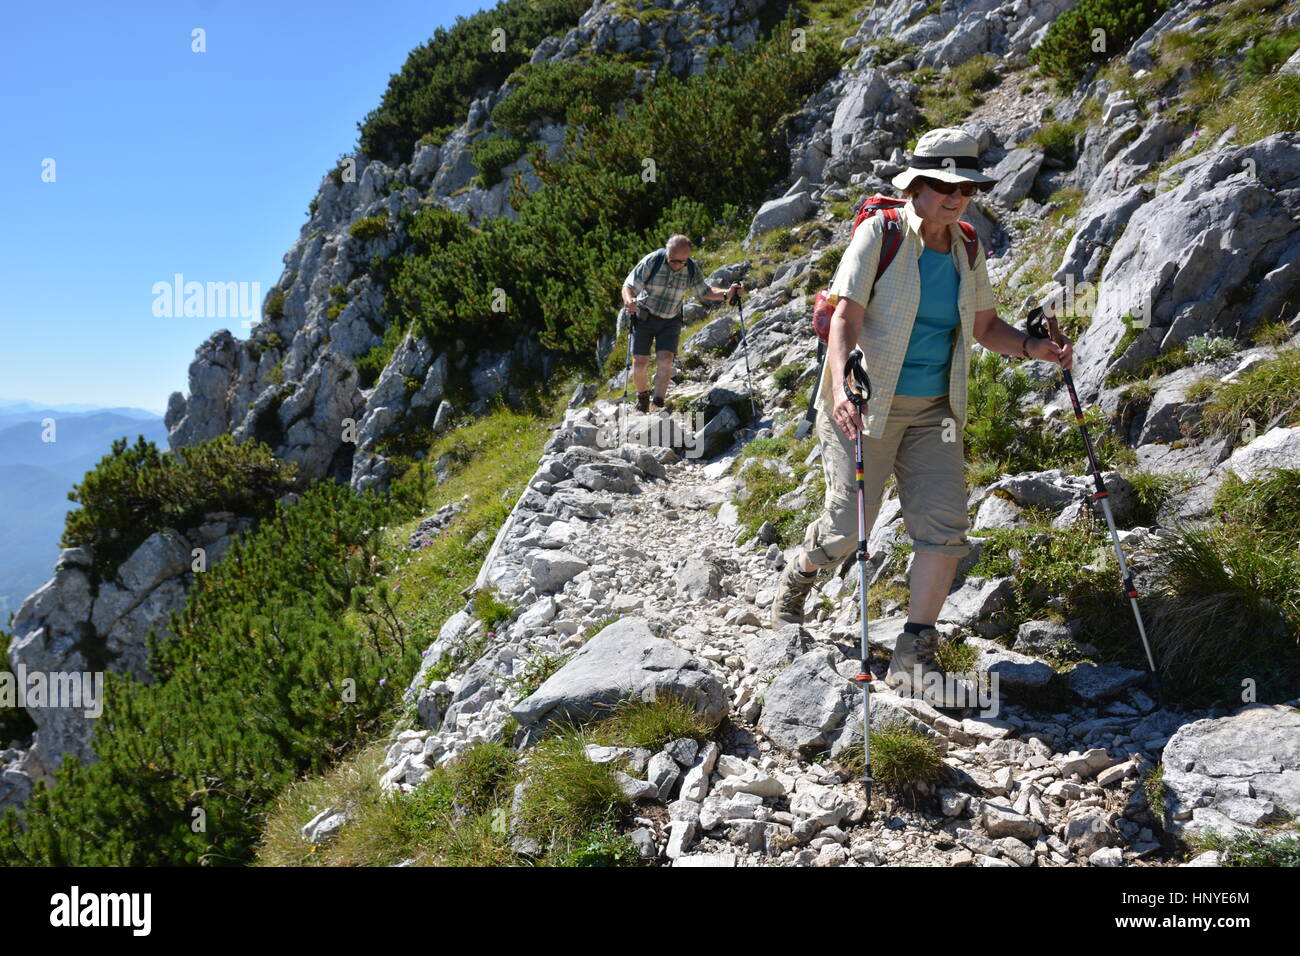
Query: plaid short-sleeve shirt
{"type": "Point", "coordinates": [891, 311]}
{"type": "Point", "coordinates": [664, 294]}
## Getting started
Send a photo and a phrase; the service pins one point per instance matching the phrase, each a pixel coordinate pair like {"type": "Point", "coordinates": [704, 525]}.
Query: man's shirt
{"type": "Point", "coordinates": [664, 294]}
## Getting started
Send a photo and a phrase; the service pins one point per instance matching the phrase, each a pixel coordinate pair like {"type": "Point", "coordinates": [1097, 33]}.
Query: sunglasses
{"type": "Point", "coordinates": [677, 262]}
{"type": "Point", "coordinates": [947, 189]}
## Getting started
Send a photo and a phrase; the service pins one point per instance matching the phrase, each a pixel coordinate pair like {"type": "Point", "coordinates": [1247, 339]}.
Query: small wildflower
{"type": "Point", "coordinates": [383, 681]}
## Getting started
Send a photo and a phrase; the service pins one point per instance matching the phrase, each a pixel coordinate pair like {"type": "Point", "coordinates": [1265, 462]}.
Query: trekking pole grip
{"type": "Point", "coordinates": [856, 375]}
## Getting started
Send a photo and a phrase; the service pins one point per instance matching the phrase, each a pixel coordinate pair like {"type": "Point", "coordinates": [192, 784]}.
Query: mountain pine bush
{"type": "Point", "coordinates": [672, 163]}
{"type": "Point", "coordinates": [138, 490]}
{"type": "Point", "coordinates": [1067, 51]}
{"type": "Point", "coordinates": [285, 654]}
{"type": "Point", "coordinates": [441, 76]}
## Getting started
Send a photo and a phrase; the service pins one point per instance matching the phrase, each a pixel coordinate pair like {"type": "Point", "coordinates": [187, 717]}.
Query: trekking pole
{"type": "Point", "coordinates": [627, 374]}
{"type": "Point", "coordinates": [744, 344]}
{"type": "Point", "coordinates": [856, 375]}
{"type": "Point", "coordinates": [810, 415]}
{"type": "Point", "coordinates": [1041, 324]}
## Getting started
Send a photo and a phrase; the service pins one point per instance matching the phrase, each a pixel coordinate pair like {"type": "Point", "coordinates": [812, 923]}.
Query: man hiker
{"type": "Point", "coordinates": [653, 294]}
{"type": "Point", "coordinates": [916, 327]}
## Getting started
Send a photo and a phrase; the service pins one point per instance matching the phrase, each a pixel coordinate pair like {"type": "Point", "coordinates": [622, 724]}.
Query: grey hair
{"type": "Point", "coordinates": [677, 241]}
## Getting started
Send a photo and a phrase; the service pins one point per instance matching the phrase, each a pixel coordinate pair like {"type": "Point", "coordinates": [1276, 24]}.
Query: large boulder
{"type": "Point", "coordinates": [776, 213]}
{"type": "Point", "coordinates": [1235, 214]}
{"type": "Point", "coordinates": [1015, 175]}
{"type": "Point", "coordinates": [625, 660]}
{"type": "Point", "coordinates": [1239, 770]}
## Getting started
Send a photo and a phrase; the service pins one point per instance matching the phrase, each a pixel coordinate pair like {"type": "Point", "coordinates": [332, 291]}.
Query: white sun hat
{"type": "Point", "coordinates": [947, 154]}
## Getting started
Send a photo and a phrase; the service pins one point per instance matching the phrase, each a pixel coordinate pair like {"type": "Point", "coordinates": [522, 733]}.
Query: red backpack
{"type": "Point", "coordinates": [888, 207]}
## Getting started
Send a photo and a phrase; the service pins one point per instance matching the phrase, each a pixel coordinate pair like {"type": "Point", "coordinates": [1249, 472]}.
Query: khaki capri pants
{"type": "Point", "coordinates": [929, 472]}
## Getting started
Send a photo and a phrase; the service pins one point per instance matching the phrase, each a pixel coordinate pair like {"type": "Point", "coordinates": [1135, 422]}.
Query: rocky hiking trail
{"type": "Point", "coordinates": [643, 543]}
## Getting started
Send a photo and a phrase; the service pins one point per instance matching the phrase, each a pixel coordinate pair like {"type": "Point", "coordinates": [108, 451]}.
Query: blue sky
{"type": "Point", "coordinates": [167, 161]}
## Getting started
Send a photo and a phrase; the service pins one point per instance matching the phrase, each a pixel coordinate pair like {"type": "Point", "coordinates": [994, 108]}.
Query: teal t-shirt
{"type": "Point", "coordinates": [929, 351]}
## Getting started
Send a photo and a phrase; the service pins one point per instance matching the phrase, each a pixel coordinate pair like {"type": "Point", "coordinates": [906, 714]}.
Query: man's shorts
{"type": "Point", "coordinates": [663, 332]}
{"type": "Point", "coordinates": [922, 448]}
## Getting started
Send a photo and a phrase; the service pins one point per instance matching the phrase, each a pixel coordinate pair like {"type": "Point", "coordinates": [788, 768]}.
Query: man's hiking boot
{"type": "Point", "coordinates": [643, 401]}
{"type": "Point", "coordinates": [913, 671]}
{"type": "Point", "coordinates": [791, 592]}
{"type": "Point", "coordinates": [658, 403]}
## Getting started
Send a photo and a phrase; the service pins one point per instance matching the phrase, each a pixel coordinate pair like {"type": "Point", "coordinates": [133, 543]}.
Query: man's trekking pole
{"type": "Point", "coordinates": [855, 379]}
{"type": "Point", "coordinates": [1041, 324]}
{"type": "Point", "coordinates": [627, 374]}
{"type": "Point", "coordinates": [744, 344]}
{"type": "Point", "coordinates": [810, 415]}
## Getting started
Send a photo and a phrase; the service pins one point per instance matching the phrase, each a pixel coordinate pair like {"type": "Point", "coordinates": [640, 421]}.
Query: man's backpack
{"type": "Point", "coordinates": [888, 207]}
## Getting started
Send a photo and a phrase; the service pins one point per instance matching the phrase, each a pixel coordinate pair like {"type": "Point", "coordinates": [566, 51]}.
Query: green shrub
{"type": "Point", "coordinates": [976, 74]}
{"type": "Point", "coordinates": [334, 310]}
{"type": "Point", "coordinates": [829, 260]}
{"type": "Point", "coordinates": [375, 360]}
{"type": "Point", "coordinates": [1066, 51]}
{"type": "Point", "coordinates": [1154, 786]}
{"type": "Point", "coordinates": [1057, 139]}
{"type": "Point", "coordinates": [275, 304]}
{"type": "Point", "coordinates": [600, 204]}
{"type": "Point", "coordinates": [439, 78]}
{"type": "Point", "coordinates": [490, 609]}
{"type": "Point", "coordinates": [603, 846]}
{"type": "Point", "coordinates": [1270, 52]}
{"type": "Point", "coordinates": [137, 490]}
{"type": "Point", "coordinates": [787, 375]}
{"type": "Point", "coordinates": [285, 654]}
{"type": "Point", "coordinates": [493, 153]}
{"type": "Point", "coordinates": [370, 227]}
{"type": "Point", "coordinates": [338, 290]}
{"type": "Point", "coordinates": [1153, 489]}
{"type": "Point", "coordinates": [483, 776]}
{"type": "Point", "coordinates": [536, 672]}
{"type": "Point", "coordinates": [563, 90]}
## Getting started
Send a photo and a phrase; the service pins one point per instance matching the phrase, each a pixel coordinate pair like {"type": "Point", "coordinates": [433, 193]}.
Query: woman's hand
{"type": "Point", "coordinates": [845, 415]}
{"type": "Point", "coordinates": [1049, 351]}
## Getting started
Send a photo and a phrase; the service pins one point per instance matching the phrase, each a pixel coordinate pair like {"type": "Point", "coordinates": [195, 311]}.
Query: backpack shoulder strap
{"type": "Point", "coordinates": [656, 264]}
{"type": "Point", "coordinates": [892, 235]}
{"type": "Point", "coordinates": [972, 242]}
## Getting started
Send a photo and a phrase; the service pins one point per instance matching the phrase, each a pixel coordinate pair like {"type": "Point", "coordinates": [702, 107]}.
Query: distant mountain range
{"type": "Point", "coordinates": [36, 476]}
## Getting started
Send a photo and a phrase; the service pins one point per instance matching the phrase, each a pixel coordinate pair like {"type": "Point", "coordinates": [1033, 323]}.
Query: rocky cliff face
{"type": "Point", "coordinates": [66, 627]}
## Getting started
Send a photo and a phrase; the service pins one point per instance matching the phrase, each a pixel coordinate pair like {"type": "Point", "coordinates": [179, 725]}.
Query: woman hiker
{"type": "Point", "coordinates": [915, 330]}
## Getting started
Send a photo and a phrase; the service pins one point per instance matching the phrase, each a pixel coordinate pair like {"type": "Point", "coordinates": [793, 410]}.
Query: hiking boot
{"type": "Point", "coordinates": [914, 672]}
{"type": "Point", "coordinates": [791, 592]}
{"type": "Point", "coordinates": [643, 401]}
{"type": "Point", "coordinates": [658, 403]}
